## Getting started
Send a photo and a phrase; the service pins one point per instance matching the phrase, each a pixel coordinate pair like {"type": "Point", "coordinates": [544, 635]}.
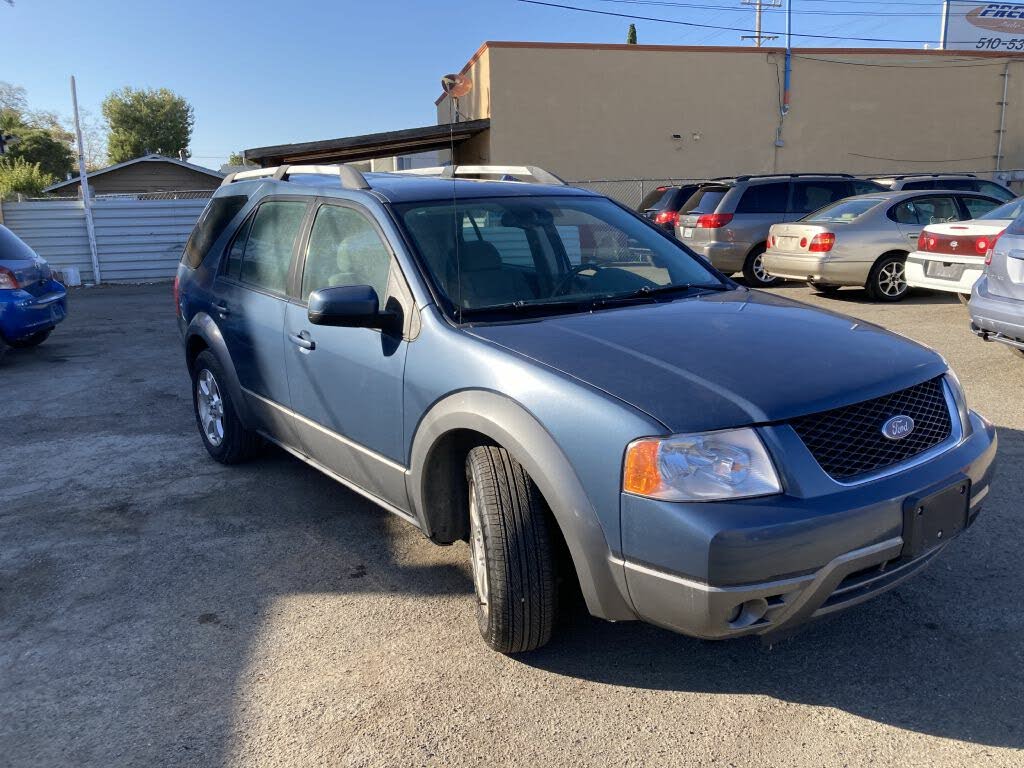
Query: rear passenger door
{"type": "Point", "coordinates": [760, 206]}
{"type": "Point", "coordinates": [251, 294]}
{"type": "Point", "coordinates": [915, 214]}
{"type": "Point", "coordinates": [347, 383]}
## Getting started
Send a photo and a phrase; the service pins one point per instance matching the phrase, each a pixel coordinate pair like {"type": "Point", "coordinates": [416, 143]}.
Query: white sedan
{"type": "Point", "coordinates": [951, 257]}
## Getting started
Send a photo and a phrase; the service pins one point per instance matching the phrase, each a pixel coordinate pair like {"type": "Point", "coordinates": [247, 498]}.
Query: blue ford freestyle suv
{"type": "Point", "coordinates": [538, 371]}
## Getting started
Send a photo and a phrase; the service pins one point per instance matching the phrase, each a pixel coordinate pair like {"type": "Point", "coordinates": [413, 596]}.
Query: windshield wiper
{"type": "Point", "coordinates": [651, 291]}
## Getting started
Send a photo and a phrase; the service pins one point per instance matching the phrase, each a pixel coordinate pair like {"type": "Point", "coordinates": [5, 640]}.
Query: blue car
{"type": "Point", "coordinates": [32, 302]}
{"type": "Point", "coordinates": [543, 374]}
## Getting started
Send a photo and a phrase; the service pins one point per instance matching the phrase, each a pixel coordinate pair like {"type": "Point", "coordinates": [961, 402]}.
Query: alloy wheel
{"type": "Point", "coordinates": [759, 271]}
{"type": "Point", "coordinates": [210, 406]}
{"type": "Point", "coordinates": [892, 280]}
{"type": "Point", "coordinates": [477, 555]}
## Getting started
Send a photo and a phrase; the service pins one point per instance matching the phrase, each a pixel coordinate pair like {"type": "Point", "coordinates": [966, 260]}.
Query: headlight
{"type": "Point", "coordinates": [707, 466]}
{"type": "Point", "coordinates": [960, 399]}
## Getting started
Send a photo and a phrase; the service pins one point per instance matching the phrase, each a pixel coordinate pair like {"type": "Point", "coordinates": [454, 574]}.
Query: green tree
{"type": "Point", "coordinates": [631, 35]}
{"type": "Point", "coordinates": [146, 120]}
{"type": "Point", "coordinates": [37, 146]}
{"type": "Point", "coordinates": [235, 158]}
{"type": "Point", "coordinates": [18, 175]}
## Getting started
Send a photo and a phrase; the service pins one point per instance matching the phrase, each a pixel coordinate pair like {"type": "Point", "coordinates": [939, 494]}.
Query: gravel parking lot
{"type": "Point", "coordinates": [159, 609]}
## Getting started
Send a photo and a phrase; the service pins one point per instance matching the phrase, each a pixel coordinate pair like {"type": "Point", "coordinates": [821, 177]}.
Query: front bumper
{"type": "Point", "coordinates": [825, 269]}
{"type": "Point", "coordinates": [23, 314]}
{"type": "Point", "coordinates": [965, 272]}
{"type": "Point", "coordinates": [995, 318]}
{"type": "Point", "coordinates": [763, 566]}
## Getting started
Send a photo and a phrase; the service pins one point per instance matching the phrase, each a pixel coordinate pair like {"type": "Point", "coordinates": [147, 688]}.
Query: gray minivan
{"type": "Point", "coordinates": [727, 221]}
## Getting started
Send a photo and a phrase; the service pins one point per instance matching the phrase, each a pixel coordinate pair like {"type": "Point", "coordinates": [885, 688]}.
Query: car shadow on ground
{"type": "Point", "coordinates": [941, 654]}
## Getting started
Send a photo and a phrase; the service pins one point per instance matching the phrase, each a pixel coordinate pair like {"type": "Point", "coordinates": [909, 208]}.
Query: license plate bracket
{"type": "Point", "coordinates": [935, 516]}
{"type": "Point", "coordinates": [944, 271]}
{"type": "Point", "coordinates": [687, 231]}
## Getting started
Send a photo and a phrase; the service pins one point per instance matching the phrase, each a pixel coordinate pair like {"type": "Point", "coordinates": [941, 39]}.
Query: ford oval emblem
{"type": "Point", "coordinates": [898, 427]}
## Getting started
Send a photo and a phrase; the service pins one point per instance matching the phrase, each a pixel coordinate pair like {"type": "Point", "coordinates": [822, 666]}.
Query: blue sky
{"type": "Point", "coordinates": [263, 72]}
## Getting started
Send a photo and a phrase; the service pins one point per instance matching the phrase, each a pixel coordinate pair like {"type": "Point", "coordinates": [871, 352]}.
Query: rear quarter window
{"type": "Point", "coordinates": [214, 219]}
{"type": "Point", "coordinates": [764, 198]}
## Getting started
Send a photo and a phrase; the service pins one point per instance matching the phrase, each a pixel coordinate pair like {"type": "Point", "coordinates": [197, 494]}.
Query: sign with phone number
{"type": "Point", "coordinates": [970, 25]}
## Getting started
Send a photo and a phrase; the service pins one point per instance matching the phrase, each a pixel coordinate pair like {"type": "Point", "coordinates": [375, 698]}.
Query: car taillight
{"type": "Point", "coordinates": [175, 292]}
{"type": "Point", "coordinates": [666, 217]}
{"type": "Point", "coordinates": [922, 241]}
{"type": "Point", "coordinates": [991, 249]}
{"type": "Point", "coordinates": [713, 220]}
{"type": "Point", "coordinates": [8, 280]}
{"type": "Point", "coordinates": [771, 241]}
{"type": "Point", "coordinates": [822, 242]}
{"type": "Point", "coordinates": [981, 245]}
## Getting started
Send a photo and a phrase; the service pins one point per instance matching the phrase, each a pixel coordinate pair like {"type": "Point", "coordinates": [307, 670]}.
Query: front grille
{"type": "Point", "coordinates": [848, 442]}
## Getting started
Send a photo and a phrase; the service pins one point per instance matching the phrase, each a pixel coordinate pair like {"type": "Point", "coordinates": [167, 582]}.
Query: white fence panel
{"type": "Point", "coordinates": [137, 240]}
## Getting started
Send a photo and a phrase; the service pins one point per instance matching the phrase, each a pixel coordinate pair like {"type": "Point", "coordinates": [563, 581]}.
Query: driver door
{"type": "Point", "coordinates": [346, 384]}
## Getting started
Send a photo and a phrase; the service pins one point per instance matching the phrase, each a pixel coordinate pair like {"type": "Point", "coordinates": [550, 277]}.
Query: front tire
{"type": "Point", "coordinates": [888, 279]}
{"type": "Point", "coordinates": [754, 271]}
{"type": "Point", "coordinates": [225, 437]}
{"type": "Point", "coordinates": [510, 553]}
{"type": "Point", "coordinates": [31, 341]}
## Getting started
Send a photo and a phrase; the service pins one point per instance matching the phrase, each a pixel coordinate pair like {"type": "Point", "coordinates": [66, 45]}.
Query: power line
{"type": "Point", "coordinates": [694, 24]}
{"type": "Point", "coordinates": [671, 3]}
{"type": "Point", "coordinates": [797, 12]}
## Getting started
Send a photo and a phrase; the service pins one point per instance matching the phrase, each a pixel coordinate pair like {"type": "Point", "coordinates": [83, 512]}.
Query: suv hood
{"type": "Point", "coordinates": [723, 360]}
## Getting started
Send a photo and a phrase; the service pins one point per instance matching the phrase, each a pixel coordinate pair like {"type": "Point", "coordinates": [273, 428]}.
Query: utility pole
{"type": "Point", "coordinates": [84, 185]}
{"type": "Point", "coordinates": [759, 6]}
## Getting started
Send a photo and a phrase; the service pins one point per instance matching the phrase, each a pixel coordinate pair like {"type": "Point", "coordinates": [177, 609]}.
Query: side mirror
{"type": "Point", "coordinates": [349, 306]}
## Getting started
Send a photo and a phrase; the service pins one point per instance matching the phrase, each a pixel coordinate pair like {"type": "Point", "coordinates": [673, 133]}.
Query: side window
{"type": "Point", "coordinates": [216, 217]}
{"type": "Point", "coordinates": [923, 211]}
{"type": "Point", "coordinates": [920, 185]}
{"type": "Point", "coordinates": [904, 213]}
{"type": "Point", "coordinates": [232, 266]}
{"type": "Point", "coordinates": [764, 198]}
{"type": "Point", "coordinates": [345, 249]}
{"type": "Point", "coordinates": [864, 187]}
{"type": "Point", "coordinates": [268, 247]}
{"type": "Point", "coordinates": [809, 196]}
{"type": "Point", "coordinates": [988, 188]}
{"type": "Point", "coordinates": [978, 206]}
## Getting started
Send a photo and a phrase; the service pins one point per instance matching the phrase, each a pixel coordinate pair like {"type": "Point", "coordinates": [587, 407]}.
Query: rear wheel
{"type": "Point", "coordinates": [888, 279]}
{"type": "Point", "coordinates": [31, 341]}
{"type": "Point", "coordinates": [225, 437]}
{"type": "Point", "coordinates": [754, 271]}
{"type": "Point", "coordinates": [510, 553]}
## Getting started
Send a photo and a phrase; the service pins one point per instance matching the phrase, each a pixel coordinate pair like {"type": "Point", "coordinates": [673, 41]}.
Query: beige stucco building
{"type": "Point", "coordinates": [636, 111]}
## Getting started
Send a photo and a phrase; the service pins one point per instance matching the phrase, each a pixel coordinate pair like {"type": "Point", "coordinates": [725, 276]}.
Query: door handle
{"type": "Point", "coordinates": [302, 341]}
{"type": "Point", "coordinates": [222, 309]}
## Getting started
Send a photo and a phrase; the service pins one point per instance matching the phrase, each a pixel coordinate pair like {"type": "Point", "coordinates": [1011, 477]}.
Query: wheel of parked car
{"type": "Point", "coordinates": [965, 298]}
{"type": "Point", "coordinates": [754, 271]}
{"type": "Point", "coordinates": [31, 341]}
{"type": "Point", "coordinates": [224, 436]}
{"type": "Point", "coordinates": [888, 278]}
{"type": "Point", "coordinates": [510, 553]}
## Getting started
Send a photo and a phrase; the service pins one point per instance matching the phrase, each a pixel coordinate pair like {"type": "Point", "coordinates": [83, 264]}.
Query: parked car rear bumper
{"type": "Point", "coordinates": [782, 560]}
{"type": "Point", "coordinates": [995, 318]}
{"type": "Point", "coordinates": [23, 314]}
{"type": "Point", "coordinates": [728, 257]}
{"type": "Point", "coordinates": [824, 269]}
{"type": "Point", "coordinates": [970, 270]}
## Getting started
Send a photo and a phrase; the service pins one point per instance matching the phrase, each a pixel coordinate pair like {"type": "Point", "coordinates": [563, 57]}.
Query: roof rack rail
{"type": "Point", "coordinates": [351, 178]}
{"type": "Point", "coordinates": [748, 176]}
{"type": "Point", "coordinates": [922, 175]}
{"type": "Point", "coordinates": [539, 175]}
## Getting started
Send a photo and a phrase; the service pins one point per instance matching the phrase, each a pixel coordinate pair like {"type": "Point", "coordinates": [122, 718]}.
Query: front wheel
{"type": "Point", "coordinates": [31, 341]}
{"type": "Point", "coordinates": [965, 298]}
{"type": "Point", "coordinates": [755, 273]}
{"type": "Point", "coordinates": [888, 279]}
{"type": "Point", "coordinates": [510, 553]}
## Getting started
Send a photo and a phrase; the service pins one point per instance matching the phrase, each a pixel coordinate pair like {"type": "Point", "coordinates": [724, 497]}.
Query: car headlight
{"type": "Point", "coordinates": [957, 390]}
{"type": "Point", "coordinates": [706, 466]}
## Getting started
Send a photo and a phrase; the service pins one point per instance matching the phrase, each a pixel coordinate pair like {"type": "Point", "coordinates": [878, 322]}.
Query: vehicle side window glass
{"type": "Point", "coordinates": [923, 211]}
{"type": "Point", "coordinates": [268, 248]}
{"type": "Point", "coordinates": [809, 196]}
{"type": "Point", "coordinates": [216, 217]}
{"type": "Point", "coordinates": [764, 198]}
{"type": "Point", "coordinates": [345, 249]}
{"type": "Point", "coordinates": [864, 187]}
{"type": "Point", "coordinates": [988, 188]}
{"type": "Point", "coordinates": [920, 185]}
{"type": "Point", "coordinates": [233, 261]}
{"type": "Point", "coordinates": [978, 206]}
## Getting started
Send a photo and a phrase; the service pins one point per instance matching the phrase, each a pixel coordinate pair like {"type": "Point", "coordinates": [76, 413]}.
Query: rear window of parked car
{"type": "Point", "coordinates": [764, 198]}
{"type": "Point", "coordinates": [13, 248]}
{"type": "Point", "coordinates": [1010, 210]}
{"type": "Point", "coordinates": [215, 218]}
{"type": "Point", "coordinates": [705, 200]}
{"type": "Point", "coordinates": [656, 198]}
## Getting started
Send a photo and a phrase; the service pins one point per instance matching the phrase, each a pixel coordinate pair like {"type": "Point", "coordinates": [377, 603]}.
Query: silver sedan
{"type": "Point", "coordinates": [864, 240]}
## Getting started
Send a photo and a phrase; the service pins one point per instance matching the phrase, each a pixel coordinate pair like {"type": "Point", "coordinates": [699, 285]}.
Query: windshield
{"type": "Point", "coordinates": [544, 254]}
{"type": "Point", "coordinates": [1010, 210]}
{"type": "Point", "coordinates": [844, 210]}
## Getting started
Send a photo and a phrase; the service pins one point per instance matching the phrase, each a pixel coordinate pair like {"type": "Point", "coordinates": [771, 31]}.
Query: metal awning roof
{"type": "Point", "coordinates": [371, 145]}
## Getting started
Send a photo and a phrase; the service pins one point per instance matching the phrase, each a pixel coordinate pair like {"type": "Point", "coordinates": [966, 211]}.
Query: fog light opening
{"type": "Point", "coordinates": [747, 613]}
